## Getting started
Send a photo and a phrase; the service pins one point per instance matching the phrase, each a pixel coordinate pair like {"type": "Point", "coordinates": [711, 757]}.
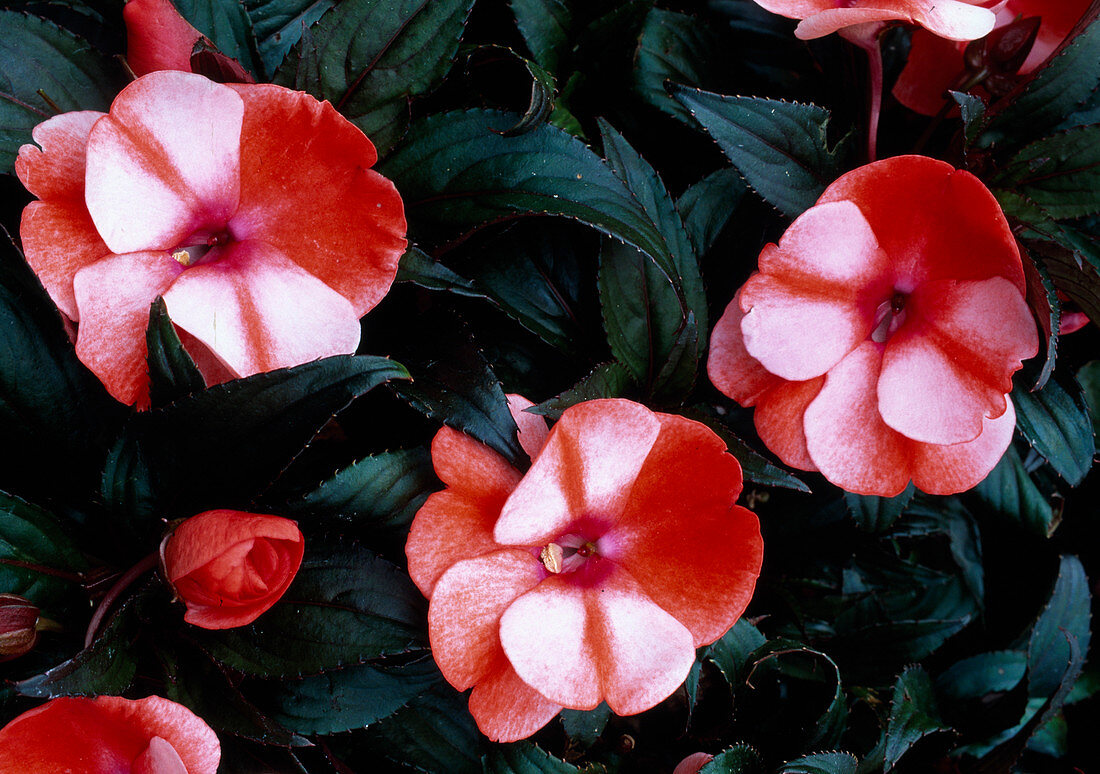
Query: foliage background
{"type": "Point", "coordinates": [917, 634]}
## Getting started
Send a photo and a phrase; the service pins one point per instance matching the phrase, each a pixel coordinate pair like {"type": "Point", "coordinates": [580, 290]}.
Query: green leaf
{"type": "Point", "coordinates": [1054, 92]}
{"type": "Point", "coordinates": [545, 26]}
{"type": "Point", "coordinates": [707, 206]}
{"type": "Point", "coordinates": [608, 380]}
{"type": "Point", "coordinates": [739, 759]}
{"type": "Point", "coordinates": [1060, 173]}
{"type": "Point", "coordinates": [1009, 491]}
{"type": "Point", "coordinates": [732, 651]}
{"type": "Point", "coordinates": [456, 173]}
{"type": "Point", "coordinates": [278, 25]}
{"type": "Point", "coordinates": [222, 446]}
{"type": "Point", "coordinates": [913, 714]}
{"type": "Point", "coordinates": [583, 727]}
{"type": "Point", "coordinates": [421, 269]}
{"type": "Point", "coordinates": [172, 372]}
{"type": "Point", "coordinates": [972, 109]}
{"type": "Point", "coordinates": [1056, 422]}
{"type": "Point", "coordinates": [38, 559]}
{"type": "Point", "coordinates": [228, 27]}
{"type": "Point", "coordinates": [524, 758]}
{"type": "Point", "coordinates": [345, 606]}
{"type": "Point", "coordinates": [368, 57]}
{"type": "Point", "coordinates": [129, 491]}
{"type": "Point", "coordinates": [779, 147]}
{"type": "Point", "coordinates": [1042, 297]}
{"type": "Point", "coordinates": [1088, 376]}
{"type": "Point", "coordinates": [345, 699]}
{"type": "Point", "coordinates": [1067, 611]}
{"type": "Point", "coordinates": [754, 467]}
{"type": "Point", "coordinates": [822, 763]}
{"type": "Point", "coordinates": [982, 675]}
{"type": "Point", "coordinates": [876, 514]}
{"type": "Point", "coordinates": [383, 491]}
{"type": "Point", "coordinates": [42, 63]}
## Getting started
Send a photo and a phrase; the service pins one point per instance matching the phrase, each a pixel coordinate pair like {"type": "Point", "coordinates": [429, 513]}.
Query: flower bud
{"type": "Point", "coordinates": [18, 626]}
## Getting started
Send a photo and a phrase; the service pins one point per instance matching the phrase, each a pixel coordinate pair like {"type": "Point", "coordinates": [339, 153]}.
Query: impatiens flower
{"type": "Point", "coordinates": [936, 65]}
{"type": "Point", "coordinates": [157, 37]}
{"type": "Point", "coordinates": [952, 19]}
{"type": "Point", "coordinates": [879, 337]}
{"type": "Point", "coordinates": [229, 567]}
{"type": "Point", "coordinates": [591, 578]}
{"type": "Point", "coordinates": [18, 626]}
{"type": "Point", "coordinates": [109, 735]}
{"type": "Point", "coordinates": [251, 209]}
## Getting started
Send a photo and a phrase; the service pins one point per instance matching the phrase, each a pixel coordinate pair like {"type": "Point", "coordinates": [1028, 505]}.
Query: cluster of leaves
{"type": "Point", "coordinates": [909, 633]}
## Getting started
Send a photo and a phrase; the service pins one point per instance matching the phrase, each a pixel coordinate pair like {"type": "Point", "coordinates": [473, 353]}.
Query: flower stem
{"type": "Point", "coordinates": [108, 600]}
{"type": "Point", "coordinates": [874, 61]}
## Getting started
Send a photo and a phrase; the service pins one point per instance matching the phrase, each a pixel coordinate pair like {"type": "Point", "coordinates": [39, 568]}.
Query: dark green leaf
{"type": "Point", "coordinates": [456, 173]}
{"type": "Point", "coordinates": [228, 27]}
{"type": "Point", "coordinates": [38, 560]}
{"type": "Point", "coordinates": [973, 114]}
{"type": "Point", "coordinates": [421, 269]}
{"type": "Point", "coordinates": [225, 444]}
{"type": "Point", "coordinates": [172, 372]}
{"type": "Point", "coordinates": [779, 147]}
{"type": "Point", "coordinates": [754, 467]}
{"type": "Point", "coordinates": [1056, 422]}
{"type": "Point", "coordinates": [1067, 611]}
{"type": "Point", "coordinates": [1042, 297]}
{"type": "Point", "coordinates": [541, 106]}
{"type": "Point", "coordinates": [822, 763]}
{"type": "Point", "coordinates": [1088, 376]}
{"type": "Point", "coordinates": [739, 759]}
{"type": "Point", "coordinates": [876, 514]}
{"type": "Point", "coordinates": [678, 48]}
{"type": "Point", "coordinates": [584, 727]}
{"type": "Point", "coordinates": [545, 26]}
{"type": "Point", "coordinates": [913, 714]}
{"type": "Point", "coordinates": [345, 699]}
{"type": "Point", "coordinates": [1009, 491]}
{"type": "Point", "coordinates": [368, 58]}
{"type": "Point", "coordinates": [129, 491]}
{"type": "Point", "coordinates": [732, 651]}
{"type": "Point", "coordinates": [524, 758]}
{"type": "Point", "coordinates": [345, 606]}
{"type": "Point", "coordinates": [1060, 173]}
{"type": "Point", "coordinates": [42, 63]}
{"type": "Point", "coordinates": [278, 25]}
{"type": "Point", "coordinates": [609, 380]}
{"type": "Point", "coordinates": [384, 491]}
{"type": "Point", "coordinates": [707, 206]}
{"type": "Point", "coordinates": [981, 675]}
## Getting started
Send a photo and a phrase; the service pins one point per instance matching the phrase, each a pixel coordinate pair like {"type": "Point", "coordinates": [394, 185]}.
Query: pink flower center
{"type": "Point", "coordinates": [889, 316]}
{"type": "Point", "coordinates": [201, 247]}
{"type": "Point", "coordinates": [574, 554]}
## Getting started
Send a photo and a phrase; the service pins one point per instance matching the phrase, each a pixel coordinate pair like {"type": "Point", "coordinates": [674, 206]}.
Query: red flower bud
{"type": "Point", "coordinates": [229, 567]}
{"type": "Point", "coordinates": [18, 626]}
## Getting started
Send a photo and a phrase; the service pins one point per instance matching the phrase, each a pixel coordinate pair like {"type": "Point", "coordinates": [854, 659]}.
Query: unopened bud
{"type": "Point", "coordinates": [18, 626]}
{"type": "Point", "coordinates": [1009, 46]}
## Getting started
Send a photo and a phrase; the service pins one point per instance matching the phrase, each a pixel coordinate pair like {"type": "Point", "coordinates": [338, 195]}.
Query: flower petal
{"type": "Point", "coordinates": [258, 311]}
{"type": "Point", "coordinates": [165, 163]}
{"type": "Point", "coordinates": [845, 435]}
{"type": "Point", "coordinates": [59, 239]}
{"type": "Point", "coordinates": [954, 19]}
{"type": "Point", "coordinates": [307, 189]}
{"type": "Point", "coordinates": [695, 553]}
{"type": "Point", "coordinates": [579, 645]}
{"type": "Point", "coordinates": [533, 431]}
{"type": "Point", "coordinates": [449, 527]}
{"type": "Point", "coordinates": [827, 273]}
{"type": "Point", "coordinates": [113, 296]}
{"type": "Point", "coordinates": [731, 368]}
{"type": "Point", "coordinates": [160, 757]}
{"type": "Point", "coordinates": [206, 536]}
{"type": "Point", "coordinates": [944, 470]}
{"type": "Point", "coordinates": [506, 708]}
{"type": "Point", "coordinates": [951, 363]}
{"type": "Point", "coordinates": [833, 20]}
{"type": "Point", "coordinates": [585, 470]}
{"type": "Point", "coordinates": [54, 169]}
{"type": "Point", "coordinates": [157, 37]}
{"type": "Point", "coordinates": [930, 70]}
{"type": "Point", "coordinates": [780, 417]}
{"type": "Point", "coordinates": [467, 603]}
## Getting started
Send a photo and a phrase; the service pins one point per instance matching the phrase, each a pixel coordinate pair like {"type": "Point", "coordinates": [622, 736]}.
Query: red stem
{"type": "Point", "coordinates": [874, 60]}
{"type": "Point", "coordinates": [108, 600]}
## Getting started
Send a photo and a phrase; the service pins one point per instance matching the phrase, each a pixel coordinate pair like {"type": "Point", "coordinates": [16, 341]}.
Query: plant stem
{"type": "Point", "coordinates": [108, 600]}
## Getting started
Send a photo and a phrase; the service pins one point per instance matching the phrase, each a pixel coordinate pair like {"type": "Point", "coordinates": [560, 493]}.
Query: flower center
{"type": "Point", "coordinates": [569, 553]}
{"type": "Point", "coordinates": [888, 318]}
{"type": "Point", "coordinates": [200, 248]}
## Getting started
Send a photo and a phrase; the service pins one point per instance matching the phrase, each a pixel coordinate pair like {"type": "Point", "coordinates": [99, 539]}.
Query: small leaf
{"type": "Point", "coordinates": [707, 206]}
{"type": "Point", "coordinates": [913, 714]}
{"type": "Point", "coordinates": [822, 763]}
{"type": "Point", "coordinates": [972, 109]}
{"type": "Point", "coordinates": [1088, 376]}
{"type": "Point", "coordinates": [545, 26]}
{"type": "Point", "coordinates": [732, 651]}
{"type": "Point", "coordinates": [779, 147]}
{"type": "Point", "coordinates": [421, 269]}
{"type": "Point", "coordinates": [982, 675]}
{"type": "Point", "coordinates": [1056, 422]}
{"type": "Point", "coordinates": [754, 467]}
{"type": "Point", "coordinates": [739, 759]}
{"type": "Point", "coordinates": [1042, 297]}
{"type": "Point", "coordinates": [609, 380]}
{"type": "Point", "coordinates": [524, 758]}
{"type": "Point", "coordinates": [368, 58]}
{"type": "Point", "coordinates": [1060, 173]}
{"type": "Point", "coordinates": [1009, 491]}
{"type": "Point", "coordinates": [278, 25]}
{"type": "Point", "coordinates": [876, 514]}
{"type": "Point", "coordinates": [228, 27]}
{"type": "Point", "coordinates": [1067, 611]}
{"type": "Point", "coordinates": [172, 372]}
{"type": "Point", "coordinates": [42, 63]}
{"type": "Point", "coordinates": [345, 606]}
{"type": "Point", "coordinates": [584, 727]}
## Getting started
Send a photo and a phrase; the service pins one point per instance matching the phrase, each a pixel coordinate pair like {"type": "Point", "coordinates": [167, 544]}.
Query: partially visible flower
{"type": "Point", "coordinates": [879, 337]}
{"type": "Point", "coordinates": [936, 65]}
{"type": "Point", "coordinates": [157, 37]}
{"type": "Point", "coordinates": [251, 209]}
{"type": "Point", "coordinates": [229, 567]}
{"type": "Point", "coordinates": [109, 735]}
{"type": "Point", "coordinates": [594, 576]}
{"type": "Point", "coordinates": [952, 19]}
{"type": "Point", "coordinates": [692, 763]}
{"type": "Point", "coordinates": [18, 626]}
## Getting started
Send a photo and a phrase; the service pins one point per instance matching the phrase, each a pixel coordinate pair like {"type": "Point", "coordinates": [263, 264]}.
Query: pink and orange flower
{"type": "Point", "coordinates": [878, 339]}
{"type": "Point", "coordinates": [951, 19]}
{"type": "Point", "coordinates": [591, 578]}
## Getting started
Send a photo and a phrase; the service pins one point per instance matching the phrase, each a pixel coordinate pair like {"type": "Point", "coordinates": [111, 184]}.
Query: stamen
{"type": "Point", "coordinates": [551, 557]}
{"type": "Point", "coordinates": [190, 255]}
